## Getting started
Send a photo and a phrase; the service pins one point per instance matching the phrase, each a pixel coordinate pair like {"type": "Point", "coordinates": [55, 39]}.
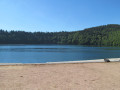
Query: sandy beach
{"type": "Point", "coordinates": [78, 76]}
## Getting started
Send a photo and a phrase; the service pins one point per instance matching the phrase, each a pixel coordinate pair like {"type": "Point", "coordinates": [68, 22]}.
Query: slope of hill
{"type": "Point", "coordinates": [106, 35]}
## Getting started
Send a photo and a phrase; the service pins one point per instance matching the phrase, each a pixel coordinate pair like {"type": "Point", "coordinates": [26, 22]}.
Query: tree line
{"type": "Point", "coordinates": [105, 35]}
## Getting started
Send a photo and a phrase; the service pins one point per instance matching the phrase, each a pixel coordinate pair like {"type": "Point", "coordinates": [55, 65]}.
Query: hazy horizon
{"type": "Point", "coordinates": [55, 16]}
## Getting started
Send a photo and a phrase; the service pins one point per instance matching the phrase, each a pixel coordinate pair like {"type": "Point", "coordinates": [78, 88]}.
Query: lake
{"type": "Point", "coordinates": [54, 53]}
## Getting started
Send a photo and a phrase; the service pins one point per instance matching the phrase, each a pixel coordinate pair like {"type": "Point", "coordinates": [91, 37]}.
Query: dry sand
{"type": "Point", "coordinates": [82, 76]}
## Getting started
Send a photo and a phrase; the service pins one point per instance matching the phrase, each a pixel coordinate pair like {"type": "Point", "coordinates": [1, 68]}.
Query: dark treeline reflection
{"type": "Point", "coordinates": [106, 35]}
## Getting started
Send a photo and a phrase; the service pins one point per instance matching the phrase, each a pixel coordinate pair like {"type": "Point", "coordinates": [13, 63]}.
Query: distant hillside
{"type": "Point", "coordinates": [106, 35]}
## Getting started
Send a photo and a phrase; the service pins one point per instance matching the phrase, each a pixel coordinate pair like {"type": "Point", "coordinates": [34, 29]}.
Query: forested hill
{"type": "Point", "coordinates": [106, 35]}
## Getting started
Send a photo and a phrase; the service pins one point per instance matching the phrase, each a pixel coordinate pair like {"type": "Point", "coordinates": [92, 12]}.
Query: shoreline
{"type": "Point", "coordinates": [64, 76]}
{"type": "Point", "coordinates": [87, 61]}
{"type": "Point", "coordinates": [66, 62]}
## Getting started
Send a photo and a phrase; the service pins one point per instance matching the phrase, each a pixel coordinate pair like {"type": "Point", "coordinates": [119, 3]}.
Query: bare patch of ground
{"type": "Point", "coordinates": [82, 76]}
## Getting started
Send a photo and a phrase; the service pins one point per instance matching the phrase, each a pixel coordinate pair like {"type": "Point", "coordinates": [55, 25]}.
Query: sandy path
{"type": "Point", "coordinates": [87, 76]}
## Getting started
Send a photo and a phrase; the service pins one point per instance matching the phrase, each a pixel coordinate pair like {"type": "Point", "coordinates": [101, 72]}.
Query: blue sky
{"type": "Point", "coordinates": [57, 15]}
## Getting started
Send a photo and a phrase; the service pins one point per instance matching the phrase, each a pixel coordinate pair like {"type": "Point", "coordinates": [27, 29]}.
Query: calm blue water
{"type": "Point", "coordinates": [54, 53]}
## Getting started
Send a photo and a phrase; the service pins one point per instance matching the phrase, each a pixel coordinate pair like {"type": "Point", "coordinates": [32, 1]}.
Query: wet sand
{"type": "Point", "coordinates": [78, 76]}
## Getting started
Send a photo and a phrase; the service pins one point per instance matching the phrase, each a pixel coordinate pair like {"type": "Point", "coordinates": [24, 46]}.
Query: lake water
{"type": "Point", "coordinates": [54, 53]}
